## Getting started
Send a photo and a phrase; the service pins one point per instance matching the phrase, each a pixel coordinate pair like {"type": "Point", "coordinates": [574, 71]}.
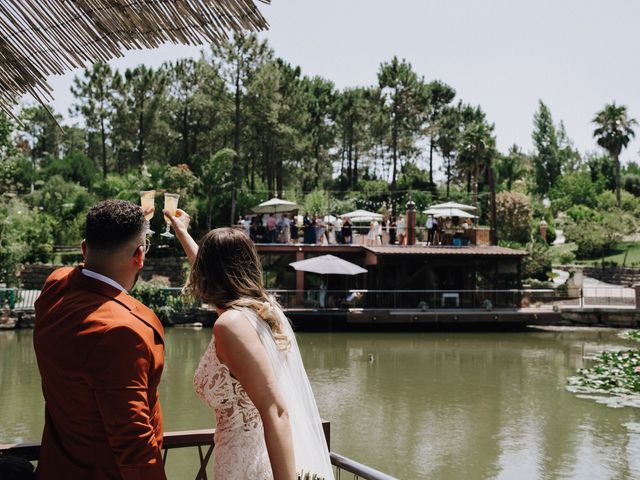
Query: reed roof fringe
{"type": "Point", "coordinates": [50, 37]}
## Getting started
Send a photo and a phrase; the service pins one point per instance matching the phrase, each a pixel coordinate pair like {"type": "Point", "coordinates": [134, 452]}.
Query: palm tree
{"type": "Point", "coordinates": [614, 131]}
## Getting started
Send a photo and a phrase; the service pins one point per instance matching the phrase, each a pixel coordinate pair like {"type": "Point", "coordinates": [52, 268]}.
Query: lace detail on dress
{"type": "Point", "coordinates": [240, 452]}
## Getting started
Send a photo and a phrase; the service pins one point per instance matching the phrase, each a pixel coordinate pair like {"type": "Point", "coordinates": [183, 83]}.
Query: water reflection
{"type": "Point", "coordinates": [432, 405]}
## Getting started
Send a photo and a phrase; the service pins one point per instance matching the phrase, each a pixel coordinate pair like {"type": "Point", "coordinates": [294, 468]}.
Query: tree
{"type": "Point", "coordinates": [140, 94]}
{"type": "Point", "coordinates": [448, 139]}
{"type": "Point", "coordinates": [42, 134]}
{"type": "Point", "coordinates": [239, 58]}
{"type": "Point", "coordinates": [405, 101]}
{"type": "Point", "coordinates": [547, 160]}
{"type": "Point", "coordinates": [352, 107]}
{"type": "Point", "coordinates": [94, 100]}
{"type": "Point", "coordinates": [320, 97]}
{"type": "Point", "coordinates": [613, 133]}
{"type": "Point", "coordinates": [440, 96]}
{"type": "Point", "coordinates": [216, 171]}
{"type": "Point", "coordinates": [511, 167]}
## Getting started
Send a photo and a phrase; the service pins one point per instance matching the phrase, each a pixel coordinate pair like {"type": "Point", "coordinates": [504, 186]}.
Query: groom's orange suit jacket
{"type": "Point", "coordinates": [100, 353]}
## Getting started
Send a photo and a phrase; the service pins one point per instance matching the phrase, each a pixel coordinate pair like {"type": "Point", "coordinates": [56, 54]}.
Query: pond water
{"type": "Point", "coordinates": [414, 405]}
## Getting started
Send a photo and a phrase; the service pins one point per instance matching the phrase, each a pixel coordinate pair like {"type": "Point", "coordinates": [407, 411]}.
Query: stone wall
{"type": "Point", "coordinates": [170, 267]}
{"type": "Point", "coordinates": [34, 276]}
{"type": "Point", "coordinates": [614, 275]}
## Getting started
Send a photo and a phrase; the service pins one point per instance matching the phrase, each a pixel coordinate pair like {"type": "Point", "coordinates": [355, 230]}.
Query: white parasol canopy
{"type": "Point", "coordinates": [329, 219]}
{"type": "Point", "coordinates": [275, 205]}
{"type": "Point", "coordinates": [328, 265]}
{"type": "Point", "coordinates": [460, 206]}
{"type": "Point", "coordinates": [448, 212]}
{"type": "Point", "coordinates": [362, 216]}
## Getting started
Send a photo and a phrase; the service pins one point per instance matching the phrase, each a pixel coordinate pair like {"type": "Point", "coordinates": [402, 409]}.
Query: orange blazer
{"type": "Point", "coordinates": [100, 353]}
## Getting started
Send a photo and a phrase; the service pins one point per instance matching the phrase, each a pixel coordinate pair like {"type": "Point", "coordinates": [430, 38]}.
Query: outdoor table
{"type": "Point", "coordinates": [451, 296]}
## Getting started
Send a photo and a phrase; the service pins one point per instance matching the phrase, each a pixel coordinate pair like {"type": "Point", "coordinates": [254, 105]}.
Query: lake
{"type": "Point", "coordinates": [414, 405]}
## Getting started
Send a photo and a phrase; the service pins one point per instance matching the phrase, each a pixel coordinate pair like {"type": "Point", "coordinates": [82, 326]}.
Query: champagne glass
{"type": "Point", "coordinates": [170, 205]}
{"type": "Point", "coordinates": [147, 198]}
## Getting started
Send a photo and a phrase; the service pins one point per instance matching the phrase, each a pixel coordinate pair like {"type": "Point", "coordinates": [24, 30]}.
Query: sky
{"type": "Point", "coordinates": [505, 55]}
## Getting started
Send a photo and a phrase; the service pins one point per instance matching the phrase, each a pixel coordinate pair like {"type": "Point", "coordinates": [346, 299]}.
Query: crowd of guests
{"type": "Point", "coordinates": [313, 229]}
{"type": "Point", "coordinates": [318, 230]}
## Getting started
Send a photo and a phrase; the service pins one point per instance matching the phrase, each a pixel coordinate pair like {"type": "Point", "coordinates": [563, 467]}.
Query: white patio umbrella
{"type": "Point", "coordinates": [448, 212]}
{"type": "Point", "coordinates": [328, 265]}
{"type": "Point", "coordinates": [362, 216]}
{"type": "Point", "coordinates": [460, 206]}
{"type": "Point", "coordinates": [329, 219]}
{"type": "Point", "coordinates": [275, 205]}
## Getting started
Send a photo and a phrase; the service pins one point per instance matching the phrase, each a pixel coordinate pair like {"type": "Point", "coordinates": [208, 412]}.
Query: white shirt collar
{"type": "Point", "coordinates": [103, 278]}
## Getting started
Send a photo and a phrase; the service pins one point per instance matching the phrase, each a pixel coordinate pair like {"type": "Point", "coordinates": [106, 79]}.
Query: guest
{"type": "Point", "coordinates": [338, 229]}
{"type": "Point", "coordinates": [294, 231]}
{"type": "Point", "coordinates": [401, 231]}
{"type": "Point", "coordinates": [309, 226]}
{"type": "Point", "coordinates": [246, 225]}
{"type": "Point", "coordinates": [371, 234]}
{"type": "Point", "coordinates": [271, 228]}
{"type": "Point", "coordinates": [392, 230]}
{"type": "Point", "coordinates": [331, 234]}
{"type": "Point", "coordinates": [430, 229]}
{"type": "Point", "coordinates": [286, 228]}
{"type": "Point", "coordinates": [100, 353]}
{"type": "Point", "coordinates": [320, 229]}
{"type": "Point", "coordinates": [347, 233]}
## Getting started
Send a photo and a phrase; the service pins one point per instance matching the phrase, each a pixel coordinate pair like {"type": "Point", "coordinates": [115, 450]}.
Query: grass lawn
{"type": "Point", "coordinates": [617, 255]}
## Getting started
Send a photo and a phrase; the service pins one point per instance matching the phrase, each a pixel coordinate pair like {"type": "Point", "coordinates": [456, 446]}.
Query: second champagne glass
{"type": "Point", "coordinates": [170, 205]}
{"type": "Point", "coordinates": [147, 199]}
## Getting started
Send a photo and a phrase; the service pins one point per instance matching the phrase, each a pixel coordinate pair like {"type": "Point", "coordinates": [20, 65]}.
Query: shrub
{"type": "Point", "coordinates": [538, 263]}
{"type": "Point", "coordinates": [513, 216]}
{"type": "Point", "coordinates": [595, 236]}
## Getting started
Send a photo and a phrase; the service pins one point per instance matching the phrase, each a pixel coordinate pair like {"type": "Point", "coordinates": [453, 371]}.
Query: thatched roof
{"type": "Point", "coordinates": [44, 37]}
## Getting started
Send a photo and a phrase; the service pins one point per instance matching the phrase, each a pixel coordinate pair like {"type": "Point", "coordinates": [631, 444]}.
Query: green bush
{"type": "Point", "coordinates": [538, 263]}
{"type": "Point", "coordinates": [595, 236]}
{"type": "Point", "coordinates": [513, 217]}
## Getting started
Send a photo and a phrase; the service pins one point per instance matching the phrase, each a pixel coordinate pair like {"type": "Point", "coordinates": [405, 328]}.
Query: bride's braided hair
{"type": "Point", "coordinates": [227, 273]}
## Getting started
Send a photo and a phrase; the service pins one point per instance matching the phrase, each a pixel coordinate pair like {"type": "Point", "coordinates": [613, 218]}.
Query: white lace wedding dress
{"type": "Point", "coordinates": [240, 452]}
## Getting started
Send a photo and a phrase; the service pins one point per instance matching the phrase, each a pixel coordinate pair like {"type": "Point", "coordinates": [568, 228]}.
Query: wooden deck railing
{"type": "Point", "coordinates": [202, 440]}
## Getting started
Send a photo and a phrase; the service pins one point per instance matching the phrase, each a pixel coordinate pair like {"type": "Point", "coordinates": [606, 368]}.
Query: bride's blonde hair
{"type": "Point", "coordinates": [227, 273]}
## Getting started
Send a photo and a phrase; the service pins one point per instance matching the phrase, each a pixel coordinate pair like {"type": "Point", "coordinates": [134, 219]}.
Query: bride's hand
{"type": "Point", "coordinates": [179, 222]}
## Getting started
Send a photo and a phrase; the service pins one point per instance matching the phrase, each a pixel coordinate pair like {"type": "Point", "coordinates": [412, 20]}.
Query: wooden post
{"type": "Point", "coordinates": [299, 296]}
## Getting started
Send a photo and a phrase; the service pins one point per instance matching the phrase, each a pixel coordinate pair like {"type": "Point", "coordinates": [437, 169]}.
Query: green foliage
{"type": "Point", "coordinates": [26, 235]}
{"type": "Point", "coordinates": [613, 372]}
{"type": "Point", "coordinates": [16, 174]}
{"type": "Point", "coordinates": [614, 131]}
{"type": "Point", "coordinates": [316, 202]}
{"type": "Point", "coordinates": [546, 161]}
{"type": "Point", "coordinates": [513, 214]}
{"type": "Point", "coordinates": [538, 263]}
{"type": "Point", "coordinates": [165, 302]}
{"type": "Point", "coordinates": [574, 188]}
{"type": "Point", "coordinates": [67, 203]}
{"type": "Point", "coordinates": [595, 234]}
{"type": "Point", "coordinates": [74, 167]}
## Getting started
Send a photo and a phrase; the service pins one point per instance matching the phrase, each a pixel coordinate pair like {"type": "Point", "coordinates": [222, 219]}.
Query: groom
{"type": "Point", "coordinates": [100, 353]}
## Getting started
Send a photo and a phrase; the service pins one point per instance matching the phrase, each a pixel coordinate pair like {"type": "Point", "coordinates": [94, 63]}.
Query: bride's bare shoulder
{"type": "Point", "coordinates": [232, 323]}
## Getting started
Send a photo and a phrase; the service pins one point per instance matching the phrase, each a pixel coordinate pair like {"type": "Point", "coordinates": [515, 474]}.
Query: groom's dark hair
{"type": "Point", "coordinates": [113, 223]}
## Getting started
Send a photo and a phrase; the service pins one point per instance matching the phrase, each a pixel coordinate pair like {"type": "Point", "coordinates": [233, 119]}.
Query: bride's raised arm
{"type": "Point", "coordinates": [180, 224]}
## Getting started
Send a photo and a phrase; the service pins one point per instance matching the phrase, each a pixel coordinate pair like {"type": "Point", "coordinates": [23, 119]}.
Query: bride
{"type": "Point", "coordinates": [251, 375]}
